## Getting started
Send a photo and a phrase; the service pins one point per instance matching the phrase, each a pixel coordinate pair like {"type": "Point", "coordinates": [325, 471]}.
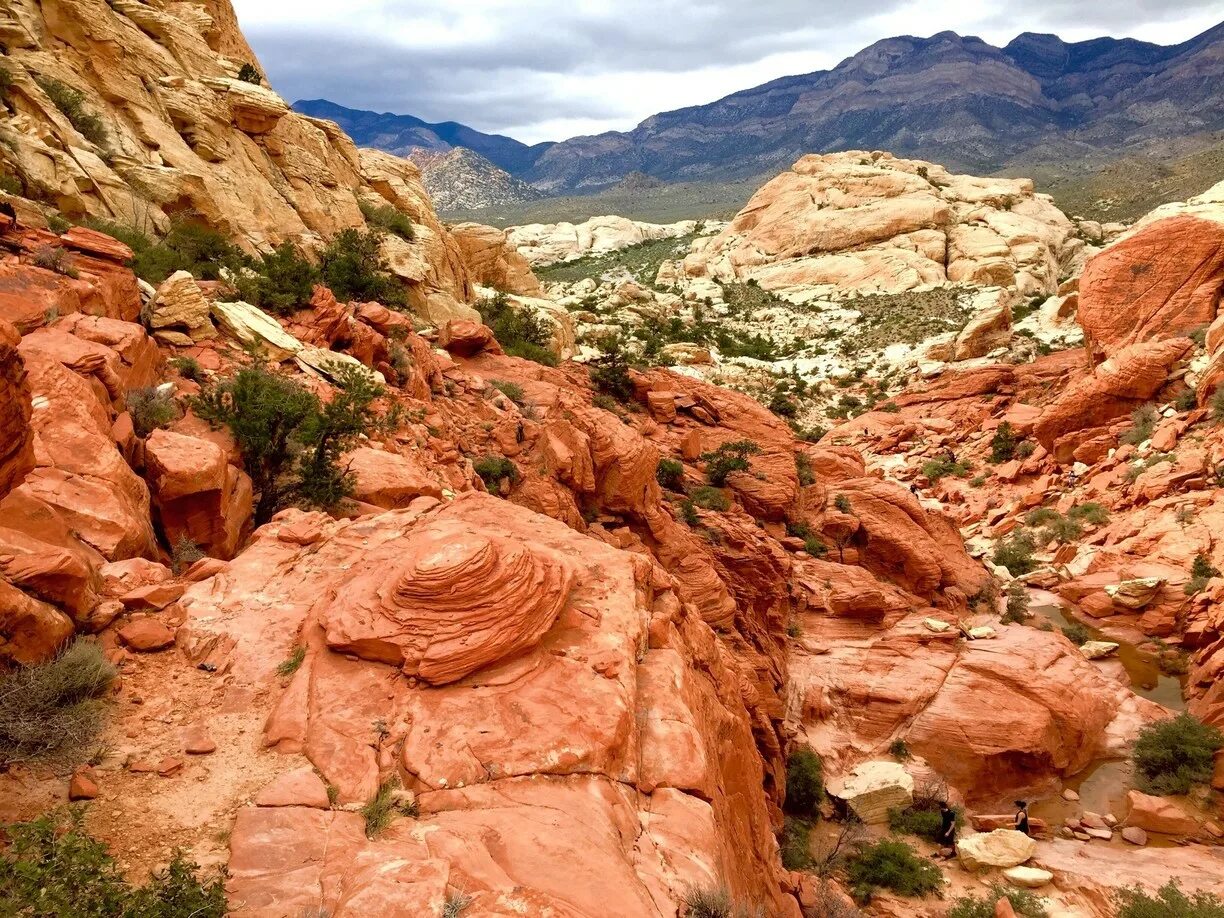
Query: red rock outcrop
{"type": "Point", "coordinates": [16, 440]}
{"type": "Point", "coordinates": [1161, 281]}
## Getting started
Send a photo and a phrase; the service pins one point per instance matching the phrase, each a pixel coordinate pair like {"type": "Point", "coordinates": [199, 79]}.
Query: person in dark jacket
{"type": "Point", "coordinates": [947, 826]}
{"type": "Point", "coordinates": [1022, 816]}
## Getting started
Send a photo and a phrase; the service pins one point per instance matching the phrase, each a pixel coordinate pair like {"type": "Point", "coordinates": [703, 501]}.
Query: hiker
{"type": "Point", "coordinates": [1022, 817]}
{"type": "Point", "coordinates": [947, 826]}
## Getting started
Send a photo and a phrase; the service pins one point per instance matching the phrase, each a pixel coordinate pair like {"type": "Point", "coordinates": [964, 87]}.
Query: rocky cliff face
{"type": "Point", "coordinates": [133, 112]}
{"type": "Point", "coordinates": [461, 179]}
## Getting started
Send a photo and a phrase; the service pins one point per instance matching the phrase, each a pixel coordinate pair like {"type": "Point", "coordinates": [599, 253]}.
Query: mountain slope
{"type": "Point", "coordinates": [954, 99]}
{"type": "Point", "coordinates": [400, 134]}
{"type": "Point", "coordinates": [461, 179]}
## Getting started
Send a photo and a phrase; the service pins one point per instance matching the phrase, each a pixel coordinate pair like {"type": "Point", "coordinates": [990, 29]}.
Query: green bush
{"type": "Point", "coordinates": [249, 73]}
{"type": "Point", "coordinates": [841, 503]}
{"type": "Point", "coordinates": [1143, 422]}
{"type": "Point", "coordinates": [1169, 902]}
{"type": "Point", "coordinates": [510, 390]}
{"type": "Point", "coordinates": [688, 513]}
{"type": "Point", "coordinates": [292, 663]}
{"type": "Point", "coordinates": [727, 458]}
{"type": "Point", "coordinates": [1076, 633]}
{"type": "Point", "coordinates": [610, 372]}
{"type": "Point", "coordinates": [52, 869]}
{"type": "Point", "coordinates": [381, 809]}
{"type": "Point", "coordinates": [191, 247]}
{"type": "Point", "coordinates": [899, 750]}
{"type": "Point", "coordinates": [291, 444]}
{"type": "Point", "coordinates": [1216, 404]}
{"type": "Point", "coordinates": [891, 865]}
{"type": "Point", "coordinates": [708, 498]}
{"type": "Point", "coordinates": [1016, 553]}
{"type": "Point", "coordinates": [1003, 443]}
{"type": "Point", "coordinates": [795, 843]}
{"type": "Point", "coordinates": [150, 409]}
{"type": "Point", "coordinates": [1025, 904]}
{"type": "Point", "coordinates": [71, 103]}
{"type": "Point", "coordinates": [670, 474]}
{"type": "Point", "coordinates": [1171, 756]}
{"type": "Point", "coordinates": [6, 82]}
{"type": "Point", "coordinates": [943, 466]}
{"type": "Point", "coordinates": [1201, 572]}
{"type": "Point", "coordinates": [188, 368]}
{"type": "Point", "coordinates": [1091, 513]}
{"type": "Point", "coordinates": [185, 553]}
{"type": "Point", "coordinates": [54, 710]}
{"type": "Point", "coordinates": [492, 469]}
{"type": "Point", "coordinates": [805, 790]}
{"type": "Point", "coordinates": [803, 469]}
{"type": "Point", "coordinates": [1017, 604]}
{"type": "Point", "coordinates": [11, 184]}
{"type": "Point", "coordinates": [387, 218]}
{"type": "Point", "coordinates": [55, 258]}
{"type": "Point", "coordinates": [520, 332]}
{"type": "Point", "coordinates": [353, 268]}
{"type": "Point", "coordinates": [282, 282]}
{"type": "Point", "coordinates": [921, 819]}
{"type": "Point", "coordinates": [783, 405]}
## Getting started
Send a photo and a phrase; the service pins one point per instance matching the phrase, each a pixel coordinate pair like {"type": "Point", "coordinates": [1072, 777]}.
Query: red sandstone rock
{"type": "Point", "coordinates": [1163, 280]}
{"type": "Point", "coordinates": [83, 786]}
{"type": "Point", "coordinates": [388, 480]}
{"type": "Point", "coordinates": [30, 631]}
{"type": "Point", "coordinates": [16, 440]}
{"type": "Point", "coordinates": [1159, 814]}
{"type": "Point", "coordinates": [301, 787]}
{"type": "Point", "coordinates": [465, 338]}
{"type": "Point", "coordinates": [197, 741]}
{"type": "Point", "coordinates": [146, 635]}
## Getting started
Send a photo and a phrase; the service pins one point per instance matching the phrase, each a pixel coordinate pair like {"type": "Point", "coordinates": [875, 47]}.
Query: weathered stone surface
{"type": "Point", "coordinates": [493, 261]}
{"type": "Point", "coordinates": [30, 631]}
{"type": "Point", "coordinates": [1028, 877]}
{"type": "Point", "coordinates": [871, 789]}
{"type": "Point", "coordinates": [16, 437]}
{"type": "Point", "coordinates": [300, 787]}
{"type": "Point", "coordinates": [388, 480]}
{"type": "Point", "coordinates": [1000, 848]}
{"type": "Point", "coordinates": [1158, 814]}
{"type": "Point", "coordinates": [543, 244]}
{"type": "Point", "coordinates": [146, 635]}
{"type": "Point", "coordinates": [180, 313]}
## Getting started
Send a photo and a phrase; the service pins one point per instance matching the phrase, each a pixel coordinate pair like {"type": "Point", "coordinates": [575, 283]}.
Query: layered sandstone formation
{"type": "Point", "coordinates": [546, 243]}
{"type": "Point", "coordinates": [175, 133]}
{"type": "Point", "coordinates": [871, 222]}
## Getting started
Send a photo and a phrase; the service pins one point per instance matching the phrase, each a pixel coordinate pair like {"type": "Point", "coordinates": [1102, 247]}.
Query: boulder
{"type": "Point", "coordinates": [388, 480]}
{"type": "Point", "coordinates": [30, 631]}
{"type": "Point", "coordinates": [1001, 848]}
{"type": "Point", "coordinates": [989, 327]}
{"type": "Point", "coordinates": [146, 635]}
{"type": "Point", "coordinates": [1159, 814]}
{"type": "Point", "coordinates": [466, 339]}
{"type": "Point", "coordinates": [1095, 650]}
{"type": "Point", "coordinates": [1028, 877]}
{"type": "Point", "coordinates": [180, 313]}
{"type": "Point", "coordinates": [871, 789]}
{"type": "Point", "coordinates": [300, 787]}
{"type": "Point", "coordinates": [16, 436]}
{"type": "Point", "coordinates": [1137, 593]}
{"type": "Point", "coordinates": [1134, 835]}
{"type": "Point", "coordinates": [493, 261]}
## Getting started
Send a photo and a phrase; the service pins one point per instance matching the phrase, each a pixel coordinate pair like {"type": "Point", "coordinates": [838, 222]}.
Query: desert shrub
{"type": "Point", "coordinates": [1003, 444]}
{"type": "Point", "coordinates": [1024, 903]}
{"type": "Point", "coordinates": [510, 390]}
{"type": "Point", "coordinates": [1201, 572]}
{"type": "Point", "coordinates": [841, 503]}
{"type": "Point", "coordinates": [1172, 755]}
{"type": "Point", "coordinates": [188, 368]}
{"type": "Point", "coordinates": [1173, 662]}
{"type": "Point", "coordinates": [943, 466]}
{"type": "Point", "coordinates": [282, 282]}
{"type": "Point", "coordinates": [6, 82]}
{"type": "Point", "coordinates": [713, 902]}
{"type": "Point", "coordinates": [1063, 529]}
{"type": "Point", "coordinates": [249, 73]}
{"type": "Point", "coordinates": [795, 843]}
{"type": "Point", "coordinates": [1016, 553]}
{"type": "Point", "coordinates": [1187, 400]}
{"type": "Point", "coordinates": [188, 246]}
{"type": "Point", "coordinates": [899, 750]}
{"type": "Point", "coordinates": [53, 710]}
{"type": "Point", "coordinates": [11, 184]}
{"type": "Point", "coordinates": [292, 663]}
{"type": "Point", "coordinates": [709, 498]}
{"type": "Point", "coordinates": [1169, 902]}
{"type": "Point", "coordinates": [55, 258]}
{"type": "Point", "coordinates": [1091, 513]}
{"type": "Point", "coordinates": [150, 409]}
{"type": "Point", "coordinates": [610, 372]}
{"type": "Point", "coordinates": [805, 790]}
{"type": "Point", "coordinates": [727, 458]}
{"type": "Point", "coordinates": [455, 904]}
{"type": "Point", "coordinates": [353, 268]}
{"type": "Point", "coordinates": [922, 818]}
{"type": "Point", "coordinates": [808, 434]}
{"type": "Point", "coordinates": [803, 469]}
{"type": "Point", "coordinates": [783, 405]}
{"type": "Point", "coordinates": [291, 444]}
{"type": "Point", "coordinates": [1216, 404]}
{"type": "Point", "coordinates": [381, 809]}
{"type": "Point", "coordinates": [184, 553]}
{"type": "Point", "coordinates": [670, 474]}
{"type": "Point", "coordinates": [1076, 633]}
{"type": "Point", "coordinates": [519, 331]}
{"type": "Point", "coordinates": [1143, 422]}
{"type": "Point", "coordinates": [1017, 609]}
{"type": "Point", "coordinates": [53, 869]}
{"type": "Point", "coordinates": [387, 218]}
{"type": "Point", "coordinates": [1025, 448]}
{"type": "Point", "coordinates": [688, 513]}
{"type": "Point", "coordinates": [492, 469]}
{"type": "Point", "coordinates": [891, 865]}
{"type": "Point", "coordinates": [57, 224]}
{"type": "Point", "coordinates": [71, 103]}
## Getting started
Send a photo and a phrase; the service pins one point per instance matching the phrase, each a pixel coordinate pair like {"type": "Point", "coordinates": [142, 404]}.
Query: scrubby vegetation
{"type": "Point", "coordinates": [1017, 609]}
{"type": "Point", "coordinates": [909, 317]}
{"type": "Point", "coordinates": [291, 443]}
{"type": "Point", "coordinates": [150, 409]}
{"type": "Point", "coordinates": [641, 261]}
{"type": "Point", "coordinates": [53, 869]}
{"type": "Point", "coordinates": [1171, 756]}
{"type": "Point", "coordinates": [71, 103]}
{"type": "Point", "coordinates": [1016, 553]}
{"type": "Point", "coordinates": [185, 553]}
{"type": "Point", "coordinates": [1143, 422]}
{"type": "Point", "coordinates": [353, 267]}
{"type": "Point", "coordinates": [492, 469]}
{"type": "Point", "coordinates": [891, 865]}
{"type": "Point", "coordinates": [510, 390]}
{"type": "Point", "coordinates": [1004, 443]}
{"type": "Point", "coordinates": [54, 710]}
{"type": "Point", "coordinates": [710, 498]}
{"type": "Point", "coordinates": [382, 809]}
{"type": "Point", "coordinates": [805, 790]}
{"type": "Point", "coordinates": [249, 73]}
{"type": "Point", "coordinates": [387, 218]}
{"type": "Point", "coordinates": [670, 474]}
{"type": "Point", "coordinates": [943, 466]}
{"type": "Point", "coordinates": [1169, 902]}
{"type": "Point", "coordinates": [727, 458]}
{"type": "Point", "coordinates": [1077, 633]}
{"type": "Point", "coordinates": [292, 663]}
{"type": "Point", "coordinates": [55, 258]}
{"type": "Point", "coordinates": [282, 282]}
{"type": "Point", "coordinates": [188, 368]}
{"type": "Point", "coordinates": [520, 332]}
{"type": "Point", "coordinates": [795, 843]}
{"type": "Point", "coordinates": [1201, 572]}
{"type": "Point", "coordinates": [1024, 903]}
{"type": "Point", "coordinates": [922, 818]}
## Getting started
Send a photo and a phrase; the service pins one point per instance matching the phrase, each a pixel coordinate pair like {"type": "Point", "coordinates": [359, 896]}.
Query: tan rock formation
{"type": "Point", "coordinates": [544, 244]}
{"type": "Point", "coordinates": [492, 261]}
{"type": "Point", "coordinates": [872, 222]}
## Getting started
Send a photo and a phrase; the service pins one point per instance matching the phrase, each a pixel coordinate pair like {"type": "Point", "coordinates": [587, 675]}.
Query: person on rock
{"type": "Point", "coordinates": [1022, 816]}
{"type": "Point", "coordinates": [947, 826]}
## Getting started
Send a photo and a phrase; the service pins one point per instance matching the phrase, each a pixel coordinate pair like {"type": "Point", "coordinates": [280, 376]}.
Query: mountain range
{"type": "Point", "coordinates": [949, 98]}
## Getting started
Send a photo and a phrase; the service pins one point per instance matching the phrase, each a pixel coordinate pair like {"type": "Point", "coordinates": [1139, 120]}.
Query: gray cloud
{"type": "Point", "coordinates": [535, 67]}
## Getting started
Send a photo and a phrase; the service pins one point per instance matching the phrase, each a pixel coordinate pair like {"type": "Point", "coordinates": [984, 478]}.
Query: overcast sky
{"type": "Point", "coordinates": [552, 69]}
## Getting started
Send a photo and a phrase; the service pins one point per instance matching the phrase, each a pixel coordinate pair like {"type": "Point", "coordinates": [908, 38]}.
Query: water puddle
{"type": "Point", "coordinates": [1142, 669]}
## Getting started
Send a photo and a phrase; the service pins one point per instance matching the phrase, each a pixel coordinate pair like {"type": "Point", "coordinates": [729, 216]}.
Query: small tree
{"type": "Point", "coordinates": [1171, 756]}
{"type": "Point", "coordinates": [1003, 443]}
{"type": "Point", "coordinates": [283, 282]}
{"type": "Point", "coordinates": [727, 458]}
{"type": "Point", "coordinates": [353, 267]}
{"type": "Point", "coordinates": [249, 73]}
{"type": "Point", "coordinates": [805, 790]}
{"type": "Point", "coordinates": [670, 474]}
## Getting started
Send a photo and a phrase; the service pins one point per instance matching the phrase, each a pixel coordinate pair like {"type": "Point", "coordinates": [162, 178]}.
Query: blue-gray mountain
{"type": "Point", "coordinates": [947, 98]}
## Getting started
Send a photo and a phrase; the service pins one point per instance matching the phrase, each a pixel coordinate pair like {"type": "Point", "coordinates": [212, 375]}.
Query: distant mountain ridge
{"type": "Point", "coordinates": [462, 179]}
{"type": "Point", "coordinates": [952, 99]}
